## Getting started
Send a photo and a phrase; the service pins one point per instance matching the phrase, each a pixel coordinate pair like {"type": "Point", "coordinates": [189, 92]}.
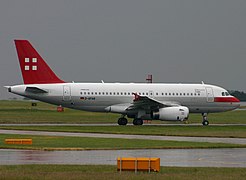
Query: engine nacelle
{"type": "Point", "coordinates": [177, 113]}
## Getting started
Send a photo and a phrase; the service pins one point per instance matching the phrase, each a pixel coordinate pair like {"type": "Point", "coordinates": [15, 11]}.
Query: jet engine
{"type": "Point", "coordinates": [177, 113]}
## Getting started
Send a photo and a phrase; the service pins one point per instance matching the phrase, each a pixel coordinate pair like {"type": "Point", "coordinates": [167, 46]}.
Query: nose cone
{"type": "Point", "coordinates": [232, 101]}
{"type": "Point", "coordinates": [235, 102]}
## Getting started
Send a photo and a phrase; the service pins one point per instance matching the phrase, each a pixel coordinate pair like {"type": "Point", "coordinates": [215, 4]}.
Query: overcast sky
{"type": "Point", "coordinates": [124, 40]}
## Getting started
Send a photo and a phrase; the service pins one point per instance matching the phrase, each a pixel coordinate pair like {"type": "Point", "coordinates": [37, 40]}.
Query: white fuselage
{"type": "Point", "coordinates": [108, 97]}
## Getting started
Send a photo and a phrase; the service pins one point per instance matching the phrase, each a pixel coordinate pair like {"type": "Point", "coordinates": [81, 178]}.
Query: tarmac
{"type": "Point", "coordinates": [235, 157]}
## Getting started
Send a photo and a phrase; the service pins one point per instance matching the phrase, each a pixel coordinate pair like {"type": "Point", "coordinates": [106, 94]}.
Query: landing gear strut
{"type": "Point", "coordinates": [204, 119]}
{"type": "Point", "coordinates": [137, 121]}
{"type": "Point", "coordinates": [122, 121]}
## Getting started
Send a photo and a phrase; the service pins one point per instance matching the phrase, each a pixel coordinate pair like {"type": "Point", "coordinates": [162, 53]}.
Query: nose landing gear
{"type": "Point", "coordinates": [205, 121]}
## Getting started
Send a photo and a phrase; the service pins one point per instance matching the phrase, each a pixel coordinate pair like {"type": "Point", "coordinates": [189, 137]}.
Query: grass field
{"type": "Point", "coordinates": [109, 172]}
{"type": "Point", "coordinates": [85, 143]}
{"type": "Point", "coordinates": [23, 112]}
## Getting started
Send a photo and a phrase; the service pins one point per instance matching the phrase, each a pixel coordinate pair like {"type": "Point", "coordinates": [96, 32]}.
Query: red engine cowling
{"type": "Point", "coordinates": [177, 113]}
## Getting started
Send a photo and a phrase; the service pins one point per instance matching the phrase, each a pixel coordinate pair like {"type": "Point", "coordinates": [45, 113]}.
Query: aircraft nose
{"type": "Point", "coordinates": [235, 102]}
{"type": "Point", "coordinates": [234, 99]}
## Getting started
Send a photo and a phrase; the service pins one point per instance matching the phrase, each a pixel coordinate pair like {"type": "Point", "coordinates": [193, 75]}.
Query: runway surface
{"type": "Point", "coordinates": [149, 137]}
{"type": "Point", "coordinates": [169, 157]}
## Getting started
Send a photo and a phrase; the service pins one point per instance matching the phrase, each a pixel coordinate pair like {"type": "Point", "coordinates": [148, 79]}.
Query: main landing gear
{"type": "Point", "coordinates": [137, 121]}
{"type": "Point", "coordinates": [123, 121]}
{"type": "Point", "coordinates": [204, 119]}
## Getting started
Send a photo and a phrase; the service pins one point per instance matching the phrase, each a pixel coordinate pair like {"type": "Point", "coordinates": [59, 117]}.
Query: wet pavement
{"type": "Point", "coordinates": [169, 157]}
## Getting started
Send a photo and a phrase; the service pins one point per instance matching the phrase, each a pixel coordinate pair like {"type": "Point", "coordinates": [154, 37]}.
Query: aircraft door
{"type": "Point", "coordinates": [210, 95]}
{"type": "Point", "coordinates": [66, 93]}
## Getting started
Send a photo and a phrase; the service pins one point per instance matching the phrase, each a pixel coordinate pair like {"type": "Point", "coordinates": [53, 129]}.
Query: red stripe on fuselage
{"type": "Point", "coordinates": [226, 99]}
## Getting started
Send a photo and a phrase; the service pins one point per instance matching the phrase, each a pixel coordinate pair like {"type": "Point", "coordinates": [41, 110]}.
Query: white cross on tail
{"type": "Point", "coordinates": [33, 66]}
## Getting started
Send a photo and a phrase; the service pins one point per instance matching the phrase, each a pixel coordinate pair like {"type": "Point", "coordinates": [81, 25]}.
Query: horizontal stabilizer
{"type": "Point", "coordinates": [35, 90]}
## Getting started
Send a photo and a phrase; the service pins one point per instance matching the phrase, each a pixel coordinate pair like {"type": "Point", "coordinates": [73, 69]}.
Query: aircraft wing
{"type": "Point", "coordinates": [148, 103]}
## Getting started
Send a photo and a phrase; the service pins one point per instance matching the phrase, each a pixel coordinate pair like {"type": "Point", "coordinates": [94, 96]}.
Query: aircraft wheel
{"type": "Point", "coordinates": [137, 121]}
{"type": "Point", "coordinates": [122, 121]}
{"type": "Point", "coordinates": [205, 123]}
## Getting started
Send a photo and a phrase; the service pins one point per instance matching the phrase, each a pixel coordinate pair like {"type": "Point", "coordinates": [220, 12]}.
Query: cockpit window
{"type": "Point", "coordinates": [225, 94]}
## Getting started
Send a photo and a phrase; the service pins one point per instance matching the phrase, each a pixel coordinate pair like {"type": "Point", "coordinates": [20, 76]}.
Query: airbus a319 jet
{"type": "Point", "coordinates": [140, 101]}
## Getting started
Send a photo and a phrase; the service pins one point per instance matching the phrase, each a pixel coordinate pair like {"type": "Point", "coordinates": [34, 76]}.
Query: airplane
{"type": "Point", "coordinates": [140, 101]}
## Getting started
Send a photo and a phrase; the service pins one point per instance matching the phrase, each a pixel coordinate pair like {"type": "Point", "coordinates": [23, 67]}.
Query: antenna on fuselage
{"type": "Point", "coordinates": [102, 81]}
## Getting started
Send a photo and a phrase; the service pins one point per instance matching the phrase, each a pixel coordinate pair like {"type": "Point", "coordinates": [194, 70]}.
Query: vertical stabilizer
{"type": "Point", "coordinates": [34, 69]}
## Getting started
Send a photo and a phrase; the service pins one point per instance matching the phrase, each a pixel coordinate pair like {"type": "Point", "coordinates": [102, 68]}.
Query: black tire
{"type": "Point", "coordinates": [122, 121]}
{"type": "Point", "coordinates": [205, 123]}
{"type": "Point", "coordinates": [137, 122]}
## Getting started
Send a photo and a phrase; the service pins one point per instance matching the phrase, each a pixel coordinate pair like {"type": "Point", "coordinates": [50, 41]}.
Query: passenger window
{"type": "Point", "coordinates": [191, 94]}
{"type": "Point", "coordinates": [106, 93]}
{"type": "Point", "coordinates": [95, 93]}
{"type": "Point", "coordinates": [110, 93]}
{"type": "Point", "coordinates": [103, 93]}
{"type": "Point", "coordinates": [147, 94]}
{"type": "Point", "coordinates": [156, 94]}
{"type": "Point", "coordinates": [180, 94]}
{"type": "Point", "coordinates": [99, 93]}
{"type": "Point", "coordinates": [177, 94]}
{"type": "Point", "coordinates": [173, 94]}
{"type": "Point", "coordinates": [88, 93]}
{"type": "Point", "coordinates": [184, 94]}
{"type": "Point", "coordinates": [84, 93]}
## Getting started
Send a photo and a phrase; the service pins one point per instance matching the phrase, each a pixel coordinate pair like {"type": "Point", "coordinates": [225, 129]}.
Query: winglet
{"type": "Point", "coordinates": [33, 67]}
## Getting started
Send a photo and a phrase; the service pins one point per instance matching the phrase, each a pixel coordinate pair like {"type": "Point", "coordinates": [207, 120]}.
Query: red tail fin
{"type": "Point", "coordinates": [34, 69]}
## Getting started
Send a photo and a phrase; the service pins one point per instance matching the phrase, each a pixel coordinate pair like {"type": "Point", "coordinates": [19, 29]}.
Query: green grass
{"type": "Point", "coordinates": [23, 112]}
{"type": "Point", "coordinates": [200, 131]}
{"type": "Point", "coordinates": [85, 143]}
{"type": "Point", "coordinates": [109, 172]}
